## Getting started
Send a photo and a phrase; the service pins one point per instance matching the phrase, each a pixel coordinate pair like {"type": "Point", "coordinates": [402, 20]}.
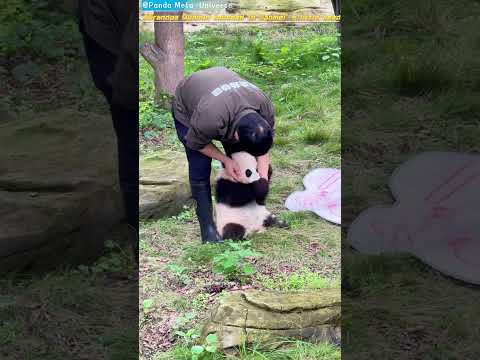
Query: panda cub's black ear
{"type": "Point", "coordinates": [260, 189]}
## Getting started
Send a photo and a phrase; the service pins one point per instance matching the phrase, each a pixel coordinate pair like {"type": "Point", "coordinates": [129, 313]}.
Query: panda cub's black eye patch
{"type": "Point", "coordinates": [248, 173]}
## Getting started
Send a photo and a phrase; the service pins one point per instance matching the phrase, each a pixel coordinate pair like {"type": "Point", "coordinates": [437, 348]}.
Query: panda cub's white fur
{"type": "Point", "coordinates": [250, 216]}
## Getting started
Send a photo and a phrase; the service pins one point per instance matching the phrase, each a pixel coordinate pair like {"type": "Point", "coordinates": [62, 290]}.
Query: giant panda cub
{"type": "Point", "coordinates": [240, 206]}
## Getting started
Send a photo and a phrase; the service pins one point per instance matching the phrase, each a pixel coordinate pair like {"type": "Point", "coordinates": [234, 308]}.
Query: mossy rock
{"type": "Point", "coordinates": [265, 317]}
{"type": "Point", "coordinates": [59, 193]}
{"type": "Point", "coordinates": [164, 186]}
{"type": "Point", "coordinates": [282, 6]}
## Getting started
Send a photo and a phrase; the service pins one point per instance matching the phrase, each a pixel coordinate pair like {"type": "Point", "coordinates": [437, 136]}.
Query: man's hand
{"type": "Point", "coordinates": [263, 163]}
{"type": "Point", "coordinates": [232, 169]}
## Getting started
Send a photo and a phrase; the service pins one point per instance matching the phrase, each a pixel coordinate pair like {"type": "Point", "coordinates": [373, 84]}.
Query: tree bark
{"type": "Point", "coordinates": [166, 57]}
{"type": "Point", "coordinates": [337, 11]}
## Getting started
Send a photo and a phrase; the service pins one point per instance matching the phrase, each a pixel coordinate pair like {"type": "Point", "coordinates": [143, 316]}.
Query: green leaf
{"type": "Point", "coordinates": [150, 134]}
{"type": "Point", "coordinates": [246, 253]}
{"type": "Point", "coordinates": [211, 348]}
{"type": "Point", "coordinates": [190, 315]}
{"type": "Point", "coordinates": [235, 246]}
{"type": "Point", "coordinates": [147, 304]}
{"type": "Point", "coordinates": [231, 261]}
{"type": "Point", "coordinates": [248, 269]}
{"type": "Point", "coordinates": [159, 123]}
{"type": "Point", "coordinates": [211, 339]}
{"type": "Point", "coordinates": [26, 71]}
{"type": "Point", "coordinates": [176, 268]}
{"type": "Point", "coordinates": [197, 350]}
{"type": "Point", "coordinates": [325, 57]}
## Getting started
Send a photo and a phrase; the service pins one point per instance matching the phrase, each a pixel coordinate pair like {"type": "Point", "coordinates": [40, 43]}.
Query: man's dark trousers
{"type": "Point", "coordinates": [125, 122]}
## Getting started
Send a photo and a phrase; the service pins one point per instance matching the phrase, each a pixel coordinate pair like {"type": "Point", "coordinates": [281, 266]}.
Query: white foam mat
{"type": "Point", "coordinates": [436, 215]}
{"type": "Point", "coordinates": [322, 195]}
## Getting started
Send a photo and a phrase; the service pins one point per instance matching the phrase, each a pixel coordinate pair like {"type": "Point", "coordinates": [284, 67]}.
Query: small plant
{"type": "Point", "coordinates": [151, 134]}
{"type": "Point", "coordinates": [116, 259]}
{"type": "Point", "coordinates": [198, 350]}
{"type": "Point", "coordinates": [181, 321]}
{"type": "Point", "coordinates": [152, 117]}
{"type": "Point", "coordinates": [163, 100]}
{"type": "Point", "coordinates": [331, 54]}
{"type": "Point", "coordinates": [205, 64]}
{"type": "Point", "coordinates": [232, 263]}
{"type": "Point", "coordinates": [188, 337]}
{"type": "Point", "coordinates": [202, 254]}
{"type": "Point", "coordinates": [186, 214]}
{"type": "Point", "coordinates": [198, 303]}
{"type": "Point", "coordinates": [209, 346]}
{"type": "Point", "coordinates": [180, 273]}
{"type": "Point", "coordinates": [147, 305]}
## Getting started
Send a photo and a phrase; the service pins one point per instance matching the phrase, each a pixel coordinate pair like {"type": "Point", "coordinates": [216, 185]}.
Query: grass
{"type": "Point", "coordinates": [295, 350]}
{"type": "Point", "coordinates": [304, 88]}
{"type": "Point", "coordinates": [410, 71]}
{"type": "Point", "coordinates": [76, 312]}
{"type": "Point", "coordinates": [42, 60]}
{"type": "Point", "coordinates": [71, 313]}
{"type": "Point", "coordinates": [299, 280]}
{"type": "Point", "coordinates": [286, 62]}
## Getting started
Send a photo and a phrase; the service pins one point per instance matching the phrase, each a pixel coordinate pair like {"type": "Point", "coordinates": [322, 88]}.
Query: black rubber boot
{"type": "Point", "coordinates": [130, 199]}
{"type": "Point", "coordinates": [134, 241]}
{"type": "Point", "coordinates": [202, 193]}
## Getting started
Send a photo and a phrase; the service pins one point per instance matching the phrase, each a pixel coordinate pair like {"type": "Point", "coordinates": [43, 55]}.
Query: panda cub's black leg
{"type": "Point", "coordinates": [272, 220]}
{"type": "Point", "coordinates": [233, 232]}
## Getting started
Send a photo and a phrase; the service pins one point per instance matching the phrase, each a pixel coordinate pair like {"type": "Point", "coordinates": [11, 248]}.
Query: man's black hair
{"type": "Point", "coordinates": [255, 134]}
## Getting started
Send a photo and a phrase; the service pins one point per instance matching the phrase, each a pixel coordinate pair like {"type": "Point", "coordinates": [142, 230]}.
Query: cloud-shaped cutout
{"type": "Point", "coordinates": [322, 195]}
{"type": "Point", "coordinates": [436, 215]}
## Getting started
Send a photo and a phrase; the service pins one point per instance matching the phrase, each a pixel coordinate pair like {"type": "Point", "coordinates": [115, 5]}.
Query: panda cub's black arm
{"type": "Point", "coordinates": [260, 189]}
{"type": "Point", "coordinates": [234, 194]}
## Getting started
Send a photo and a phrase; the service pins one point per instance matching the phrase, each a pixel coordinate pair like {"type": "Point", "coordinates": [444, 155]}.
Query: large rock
{"type": "Point", "coordinates": [5, 114]}
{"type": "Point", "coordinates": [58, 189]}
{"type": "Point", "coordinates": [282, 6]}
{"type": "Point", "coordinates": [265, 317]}
{"type": "Point", "coordinates": [164, 186]}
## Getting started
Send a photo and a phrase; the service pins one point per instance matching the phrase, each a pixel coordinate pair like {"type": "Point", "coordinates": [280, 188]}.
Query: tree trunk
{"type": "Point", "coordinates": [337, 10]}
{"type": "Point", "coordinates": [166, 57]}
